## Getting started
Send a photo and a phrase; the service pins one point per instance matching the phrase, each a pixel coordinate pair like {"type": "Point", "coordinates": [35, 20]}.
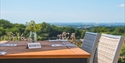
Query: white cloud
{"type": "Point", "coordinates": [121, 5]}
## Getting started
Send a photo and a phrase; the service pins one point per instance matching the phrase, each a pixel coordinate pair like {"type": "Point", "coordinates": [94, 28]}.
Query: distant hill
{"type": "Point", "coordinates": [87, 25]}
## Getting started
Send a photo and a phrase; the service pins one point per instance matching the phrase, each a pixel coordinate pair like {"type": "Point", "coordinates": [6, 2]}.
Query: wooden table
{"type": "Point", "coordinates": [45, 54]}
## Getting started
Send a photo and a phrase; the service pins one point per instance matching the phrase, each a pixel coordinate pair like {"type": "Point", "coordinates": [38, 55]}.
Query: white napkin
{"type": "Point", "coordinates": [58, 40]}
{"type": "Point", "coordinates": [63, 45]}
{"type": "Point", "coordinates": [2, 53]}
{"type": "Point", "coordinates": [8, 44]}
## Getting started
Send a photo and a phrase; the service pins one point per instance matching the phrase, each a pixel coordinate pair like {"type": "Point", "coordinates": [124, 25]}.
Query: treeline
{"type": "Point", "coordinates": [15, 31]}
{"type": "Point", "coordinates": [9, 30]}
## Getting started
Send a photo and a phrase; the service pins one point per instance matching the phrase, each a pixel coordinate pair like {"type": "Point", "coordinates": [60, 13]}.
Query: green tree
{"type": "Point", "coordinates": [5, 23]}
{"type": "Point", "coordinates": [45, 27]}
{"type": "Point", "coordinates": [2, 31]}
{"type": "Point", "coordinates": [119, 31]}
{"type": "Point", "coordinates": [21, 27]}
{"type": "Point", "coordinates": [77, 33]}
{"type": "Point", "coordinates": [55, 30]}
{"type": "Point", "coordinates": [101, 30]}
{"type": "Point", "coordinates": [123, 50]}
{"type": "Point", "coordinates": [122, 55]}
{"type": "Point", "coordinates": [82, 33]}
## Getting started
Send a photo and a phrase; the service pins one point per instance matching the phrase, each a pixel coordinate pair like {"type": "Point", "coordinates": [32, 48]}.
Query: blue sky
{"type": "Point", "coordinates": [98, 11]}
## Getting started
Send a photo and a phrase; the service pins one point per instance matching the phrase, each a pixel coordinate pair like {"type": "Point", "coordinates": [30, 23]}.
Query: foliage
{"type": "Point", "coordinates": [2, 31]}
{"type": "Point", "coordinates": [122, 53]}
{"type": "Point", "coordinates": [39, 38]}
{"type": "Point", "coordinates": [32, 26]}
{"type": "Point", "coordinates": [82, 33]}
{"type": "Point", "coordinates": [121, 60]}
{"type": "Point", "coordinates": [5, 23]}
{"type": "Point", "coordinates": [101, 30]}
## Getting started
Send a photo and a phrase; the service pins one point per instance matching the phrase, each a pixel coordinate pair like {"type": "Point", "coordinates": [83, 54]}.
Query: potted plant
{"type": "Point", "coordinates": [33, 27]}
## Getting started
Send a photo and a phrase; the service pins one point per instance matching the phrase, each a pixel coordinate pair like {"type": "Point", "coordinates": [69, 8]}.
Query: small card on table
{"type": "Point", "coordinates": [34, 45]}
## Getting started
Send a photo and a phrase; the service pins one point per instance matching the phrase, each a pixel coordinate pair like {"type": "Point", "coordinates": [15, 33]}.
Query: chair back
{"type": "Point", "coordinates": [109, 48]}
{"type": "Point", "coordinates": [89, 44]}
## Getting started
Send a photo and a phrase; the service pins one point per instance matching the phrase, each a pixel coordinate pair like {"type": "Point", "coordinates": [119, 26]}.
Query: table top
{"type": "Point", "coordinates": [46, 51]}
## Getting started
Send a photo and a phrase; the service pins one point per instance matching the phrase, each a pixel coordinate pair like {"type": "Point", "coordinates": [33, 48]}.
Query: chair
{"type": "Point", "coordinates": [89, 44]}
{"type": "Point", "coordinates": [108, 49]}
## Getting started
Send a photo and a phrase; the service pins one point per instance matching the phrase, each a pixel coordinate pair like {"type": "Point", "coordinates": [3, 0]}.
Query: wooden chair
{"type": "Point", "coordinates": [108, 49]}
{"type": "Point", "coordinates": [89, 44]}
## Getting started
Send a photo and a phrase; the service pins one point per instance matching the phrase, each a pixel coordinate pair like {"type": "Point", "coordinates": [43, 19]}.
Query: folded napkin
{"type": "Point", "coordinates": [63, 45]}
{"type": "Point", "coordinates": [2, 53]}
{"type": "Point", "coordinates": [8, 44]}
{"type": "Point", "coordinates": [58, 40]}
{"type": "Point", "coordinates": [64, 40]}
